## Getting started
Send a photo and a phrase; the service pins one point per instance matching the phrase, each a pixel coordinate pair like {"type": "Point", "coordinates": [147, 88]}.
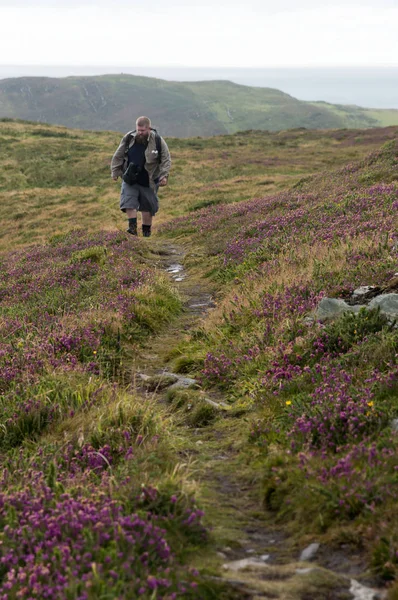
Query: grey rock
{"type": "Point", "coordinates": [394, 425]}
{"type": "Point", "coordinates": [305, 571]}
{"type": "Point", "coordinates": [309, 552]}
{"type": "Point", "coordinates": [362, 290]}
{"type": "Point", "coordinates": [265, 557]}
{"type": "Point", "coordinates": [175, 268]}
{"type": "Point", "coordinates": [361, 592]}
{"type": "Point", "coordinates": [244, 563]}
{"type": "Point", "coordinates": [183, 383]}
{"type": "Point", "coordinates": [330, 308]}
{"type": "Point", "coordinates": [388, 304]}
{"type": "Point", "coordinates": [222, 555]}
{"type": "Point", "coordinates": [144, 377]}
{"type": "Point", "coordinates": [211, 402]}
{"type": "Point", "coordinates": [222, 405]}
{"type": "Point", "coordinates": [250, 551]}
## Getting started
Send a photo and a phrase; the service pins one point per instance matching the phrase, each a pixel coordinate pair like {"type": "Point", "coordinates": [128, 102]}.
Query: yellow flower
{"type": "Point", "coordinates": [94, 352]}
{"type": "Point", "coordinates": [288, 402]}
{"type": "Point", "coordinates": [370, 403]}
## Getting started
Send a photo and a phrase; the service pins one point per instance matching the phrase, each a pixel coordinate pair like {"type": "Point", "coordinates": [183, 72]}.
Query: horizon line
{"type": "Point", "coordinates": [292, 66]}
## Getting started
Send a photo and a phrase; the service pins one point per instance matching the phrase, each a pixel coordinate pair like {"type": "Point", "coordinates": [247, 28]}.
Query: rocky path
{"type": "Point", "coordinates": [254, 559]}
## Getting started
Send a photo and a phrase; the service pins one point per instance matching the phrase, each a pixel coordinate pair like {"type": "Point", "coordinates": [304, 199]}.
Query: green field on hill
{"type": "Point", "coordinates": [172, 407]}
{"type": "Point", "coordinates": [180, 109]}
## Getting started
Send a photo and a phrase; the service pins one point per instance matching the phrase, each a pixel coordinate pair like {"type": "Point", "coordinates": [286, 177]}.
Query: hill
{"type": "Point", "coordinates": [112, 102]}
{"type": "Point", "coordinates": [187, 436]}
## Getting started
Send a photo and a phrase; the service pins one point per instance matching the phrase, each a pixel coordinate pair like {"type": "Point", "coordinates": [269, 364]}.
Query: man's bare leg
{"type": "Point", "coordinates": [146, 218]}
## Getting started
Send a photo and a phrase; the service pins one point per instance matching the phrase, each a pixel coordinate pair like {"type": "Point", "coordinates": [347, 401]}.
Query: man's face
{"type": "Point", "coordinates": [142, 133]}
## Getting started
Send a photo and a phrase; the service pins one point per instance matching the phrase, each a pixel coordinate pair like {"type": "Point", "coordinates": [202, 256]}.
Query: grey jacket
{"type": "Point", "coordinates": [155, 169]}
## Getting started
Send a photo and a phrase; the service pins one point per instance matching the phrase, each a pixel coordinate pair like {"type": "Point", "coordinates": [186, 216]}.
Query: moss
{"type": "Point", "coordinates": [202, 415]}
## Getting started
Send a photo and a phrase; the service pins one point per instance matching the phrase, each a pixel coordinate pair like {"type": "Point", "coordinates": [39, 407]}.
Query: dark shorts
{"type": "Point", "coordinates": [137, 197]}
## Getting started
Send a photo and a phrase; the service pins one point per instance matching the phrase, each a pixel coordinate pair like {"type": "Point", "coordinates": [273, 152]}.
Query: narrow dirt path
{"type": "Point", "coordinates": [256, 559]}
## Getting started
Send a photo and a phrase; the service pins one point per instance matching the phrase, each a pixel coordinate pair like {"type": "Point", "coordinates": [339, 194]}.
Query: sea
{"type": "Point", "coordinates": [372, 87]}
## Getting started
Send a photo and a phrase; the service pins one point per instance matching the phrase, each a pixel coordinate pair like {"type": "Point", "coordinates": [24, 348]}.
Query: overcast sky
{"type": "Point", "coordinates": [229, 33]}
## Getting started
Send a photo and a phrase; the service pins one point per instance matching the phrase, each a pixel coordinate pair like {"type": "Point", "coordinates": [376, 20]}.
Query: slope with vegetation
{"type": "Point", "coordinates": [321, 399]}
{"type": "Point", "coordinates": [178, 109]}
{"type": "Point", "coordinates": [112, 491]}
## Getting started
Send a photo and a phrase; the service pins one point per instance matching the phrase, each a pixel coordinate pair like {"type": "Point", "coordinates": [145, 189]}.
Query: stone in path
{"type": "Point", "coordinates": [309, 552]}
{"type": "Point", "coordinates": [361, 592]}
{"type": "Point", "coordinates": [183, 383]}
{"type": "Point", "coordinates": [244, 563]}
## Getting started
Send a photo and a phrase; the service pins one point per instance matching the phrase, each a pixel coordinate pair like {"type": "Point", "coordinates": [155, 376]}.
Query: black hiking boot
{"type": "Point", "coordinates": [132, 230]}
{"type": "Point", "coordinates": [146, 230]}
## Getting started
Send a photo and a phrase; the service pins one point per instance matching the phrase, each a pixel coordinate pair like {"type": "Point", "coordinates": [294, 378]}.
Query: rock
{"type": "Point", "coordinates": [250, 551]}
{"type": "Point", "coordinates": [362, 290]}
{"type": "Point", "coordinates": [305, 571]}
{"type": "Point", "coordinates": [244, 563]}
{"type": "Point", "coordinates": [394, 425]}
{"type": "Point", "coordinates": [388, 304]}
{"type": "Point", "coordinates": [175, 268]}
{"type": "Point", "coordinates": [183, 383]}
{"type": "Point", "coordinates": [216, 404]}
{"type": "Point", "coordinates": [211, 402]}
{"type": "Point", "coordinates": [361, 592]}
{"type": "Point", "coordinates": [308, 321]}
{"type": "Point", "coordinates": [309, 552]}
{"type": "Point", "coordinates": [222, 555]}
{"type": "Point", "coordinates": [330, 308]}
{"type": "Point", "coordinates": [144, 377]}
{"type": "Point", "coordinates": [160, 382]}
{"type": "Point", "coordinates": [265, 557]}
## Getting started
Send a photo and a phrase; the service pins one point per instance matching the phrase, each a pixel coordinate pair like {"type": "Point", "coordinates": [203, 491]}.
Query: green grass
{"type": "Point", "coordinates": [53, 179]}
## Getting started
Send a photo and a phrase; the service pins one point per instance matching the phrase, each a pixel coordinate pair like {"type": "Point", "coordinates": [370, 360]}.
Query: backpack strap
{"type": "Point", "coordinates": [129, 136]}
{"type": "Point", "coordinates": [158, 141]}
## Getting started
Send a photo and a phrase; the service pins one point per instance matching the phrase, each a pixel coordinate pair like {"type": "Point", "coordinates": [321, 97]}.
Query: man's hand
{"type": "Point", "coordinates": [114, 178]}
{"type": "Point", "coordinates": [163, 181]}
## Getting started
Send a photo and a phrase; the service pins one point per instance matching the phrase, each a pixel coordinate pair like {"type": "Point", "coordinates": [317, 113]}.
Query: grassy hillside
{"type": "Point", "coordinates": [53, 179]}
{"type": "Point", "coordinates": [113, 102]}
{"type": "Point", "coordinates": [320, 398]}
{"type": "Point", "coordinates": [355, 116]}
{"type": "Point", "coordinates": [115, 486]}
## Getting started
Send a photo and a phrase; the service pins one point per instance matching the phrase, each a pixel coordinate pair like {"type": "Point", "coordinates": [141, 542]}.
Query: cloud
{"type": "Point", "coordinates": [206, 34]}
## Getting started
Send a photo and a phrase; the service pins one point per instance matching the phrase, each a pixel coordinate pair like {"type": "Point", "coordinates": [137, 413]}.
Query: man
{"type": "Point", "coordinates": [149, 156]}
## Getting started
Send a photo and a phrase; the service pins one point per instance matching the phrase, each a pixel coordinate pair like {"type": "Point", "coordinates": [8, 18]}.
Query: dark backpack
{"type": "Point", "coordinates": [158, 141]}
